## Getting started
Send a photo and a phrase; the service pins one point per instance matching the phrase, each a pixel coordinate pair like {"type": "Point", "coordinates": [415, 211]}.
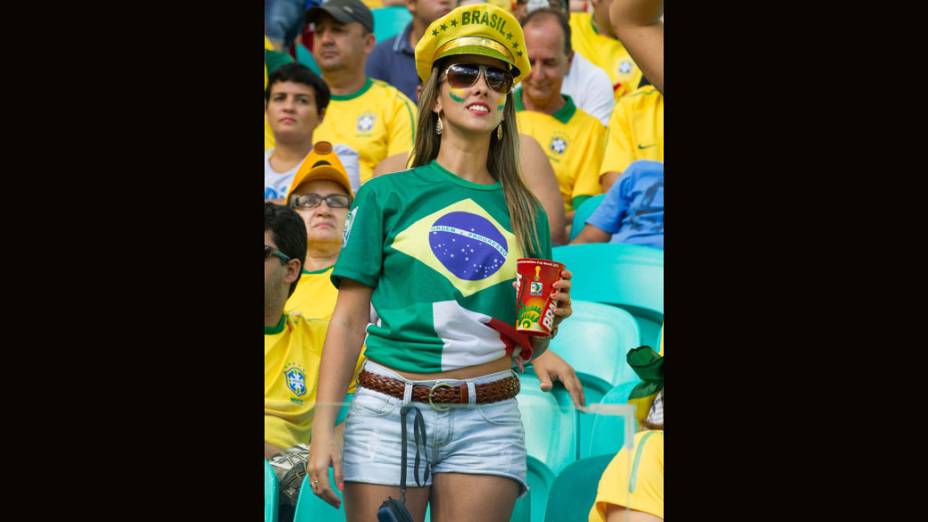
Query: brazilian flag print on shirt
{"type": "Point", "coordinates": [440, 254]}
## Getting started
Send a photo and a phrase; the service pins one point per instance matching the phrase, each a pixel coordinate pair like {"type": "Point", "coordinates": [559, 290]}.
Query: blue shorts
{"type": "Point", "coordinates": [483, 439]}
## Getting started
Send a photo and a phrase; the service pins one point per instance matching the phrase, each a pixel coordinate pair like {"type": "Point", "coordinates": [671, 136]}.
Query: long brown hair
{"type": "Point", "coordinates": [502, 163]}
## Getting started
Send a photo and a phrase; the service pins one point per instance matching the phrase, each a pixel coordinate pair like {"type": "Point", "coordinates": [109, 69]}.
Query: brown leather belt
{"type": "Point", "coordinates": [442, 392]}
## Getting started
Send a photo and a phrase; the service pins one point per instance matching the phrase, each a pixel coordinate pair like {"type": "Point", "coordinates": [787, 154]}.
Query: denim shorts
{"type": "Point", "coordinates": [483, 439]}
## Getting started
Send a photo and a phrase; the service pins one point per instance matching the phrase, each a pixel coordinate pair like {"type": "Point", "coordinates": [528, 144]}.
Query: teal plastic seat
{"type": "Point", "coordinates": [574, 490]}
{"type": "Point", "coordinates": [607, 434]}
{"type": "Point", "coordinates": [596, 338]}
{"type": "Point", "coordinates": [270, 493]}
{"type": "Point", "coordinates": [594, 389]}
{"type": "Point", "coordinates": [310, 508]}
{"type": "Point", "coordinates": [583, 213]}
{"type": "Point", "coordinates": [540, 480]}
{"type": "Point", "coordinates": [627, 276]}
{"type": "Point", "coordinates": [390, 21]}
{"type": "Point", "coordinates": [550, 422]}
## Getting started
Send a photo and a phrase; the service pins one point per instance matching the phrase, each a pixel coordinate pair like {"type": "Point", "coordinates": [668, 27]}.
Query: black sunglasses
{"type": "Point", "coordinates": [271, 251]}
{"type": "Point", "coordinates": [462, 75]}
{"type": "Point", "coordinates": [313, 200]}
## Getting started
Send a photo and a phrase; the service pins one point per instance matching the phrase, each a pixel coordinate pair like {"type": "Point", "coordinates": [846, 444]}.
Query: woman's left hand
{"type": "Point", "coordinates": [561, 296]}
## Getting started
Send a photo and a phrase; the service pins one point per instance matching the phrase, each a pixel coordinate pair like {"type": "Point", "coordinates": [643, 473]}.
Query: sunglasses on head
{"type": "Point", "coordinates": [313, 200]}
{"type": "Point", "coordinates": [271, 251]}
{"type": "Point", "coordinates": [461, 75]}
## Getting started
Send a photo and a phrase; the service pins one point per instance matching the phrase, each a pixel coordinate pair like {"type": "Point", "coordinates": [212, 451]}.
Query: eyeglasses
{"type": "Point", "coordinates": [462, 75]}
{"type": "Point", "coordinates": [313, 200]}
{"type": "Point", "coordinates": [271, 251]}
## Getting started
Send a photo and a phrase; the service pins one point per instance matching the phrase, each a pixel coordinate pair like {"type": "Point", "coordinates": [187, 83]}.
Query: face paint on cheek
{"type": "Point", "coordinates": [500, 108]}
{"type": "Point", "coordinates": [457, 95]}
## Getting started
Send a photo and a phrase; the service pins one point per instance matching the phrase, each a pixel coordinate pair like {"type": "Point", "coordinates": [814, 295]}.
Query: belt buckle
{"type": "Point", "coordinates": [434, 387]}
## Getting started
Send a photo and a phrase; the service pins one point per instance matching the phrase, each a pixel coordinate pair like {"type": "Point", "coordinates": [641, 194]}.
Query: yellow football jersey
{"type": "Point", "coordinates": [315, 295]}
{"type": "Point", "coordinates": [375, 122]}
{"type": "Point", "coordinates": [634, 479]}
{"type": "Point", "coordinates": [292, 353]}
{"type": "Point", "coordinates": [574, 142]}
{"type": "Point", "coordinates": [268, 134]}
{"type": "Point", "coordinates": [606, 53]}
{"type": "Point", "coordinates": [636, 130]}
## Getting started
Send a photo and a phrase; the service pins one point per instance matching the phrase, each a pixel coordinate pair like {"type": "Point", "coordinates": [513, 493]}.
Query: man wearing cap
{"type": "Point", "coordinates": [373, 119]}
{"type": "Point", "coordinates": [573, 140]}
{"type": "Point", "coordinates": [320, 194]}
{"type": "Point", "coordinates": [593, 37]}
{"type": "Point", "coordinates": [393, 60]}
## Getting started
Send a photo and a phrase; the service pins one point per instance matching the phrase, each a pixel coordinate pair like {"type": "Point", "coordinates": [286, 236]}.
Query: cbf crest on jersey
{"type": "Point", "coordinates": [366, 122]}
{"type": "Point", "coordinates": [296, 379]}
{"type": "Point", "coordinates": [558, 145]}
{"type": "Point", "coordinates": [463, 243]}
{"type": "Point", "coordinates": [625, 67]}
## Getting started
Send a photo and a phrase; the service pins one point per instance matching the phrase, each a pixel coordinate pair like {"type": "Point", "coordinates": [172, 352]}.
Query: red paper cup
{"type": "Point", "coordinates": [534, 306]}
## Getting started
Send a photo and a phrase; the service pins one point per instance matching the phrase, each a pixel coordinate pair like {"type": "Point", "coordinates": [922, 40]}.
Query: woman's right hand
{"type": "Point", "coordinates": [324, 451]}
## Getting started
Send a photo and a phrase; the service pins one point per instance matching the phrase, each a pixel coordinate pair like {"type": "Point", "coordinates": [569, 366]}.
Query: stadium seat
{"type": "Point", "coordinates": [550, 422]}
{"type": "Point", "coordinates": [270, 493]}
{"type": "Point", "coordinates": [540, 480]}
{"type": "Point", "coordinates": [574, 490]}
{"type": "Point", "coordinates": [596, 338]}
{"type": "Point", "coordinates": [628, 276]}
{"type": "Point", "coordinates": [390, 21]}
{"type": "Point", "coordinates": [583, 213]}
{"type": "Point", "coordinates": [607, 432]}
{"type": "Point", "coordinates": [594, 389]}
{"type": "Point", "coordinates": [310, 508]}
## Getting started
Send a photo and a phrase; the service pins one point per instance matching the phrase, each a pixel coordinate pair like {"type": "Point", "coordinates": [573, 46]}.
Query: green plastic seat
{"type": "Point", "coordinates": [540, 480]}
{"type": "Point", "coordinates": [583, 213]}
{"type": "Point", "coordinates": [574, 490]}
{"type": "Point", "coordinates": [270, 493]}
{"type": "Point", "coordinates": [596, 338]}
{"type": "Point", "coordinates": [607, 433]}
{"type": "Point", "coordinates": [627, 276]}
{"type": "Point", "coordinates": [389, 21]}
{"type": "Point", "coordinates": [594, 389]}
{"type": "Point", "coordinates": [550, 422]}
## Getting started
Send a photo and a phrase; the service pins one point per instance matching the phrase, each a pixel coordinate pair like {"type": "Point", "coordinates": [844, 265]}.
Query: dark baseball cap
{"type": "Point", "coordinates": [345, 11]}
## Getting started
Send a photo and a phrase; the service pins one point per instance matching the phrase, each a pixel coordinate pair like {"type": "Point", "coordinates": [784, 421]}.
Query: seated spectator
{"type": "Point", "coordinates": [592, 37]}
{"type": "Point", "coordinates": [632, 211]}
{"type": "Point", "coordinates": [574, 141]}
{"type": "Point", "coordinates": [372, 120]}
{"type": "Point", "coordinates": [292, 353]}
{"type": "Point", "coordinates": [636, 132]}
{"type": "Point", "coordinates": [586, 84]}
{"type": "Point", "coordinates": [295, 102]}
{"type": "Point", "coordinates": [639, 25]}
{"type": "Point", "coordinates": [320, 194]}
{"type": "Point", "coordinates": [632, 486]}
{"type": "Point", "coordinates": [393, 60]}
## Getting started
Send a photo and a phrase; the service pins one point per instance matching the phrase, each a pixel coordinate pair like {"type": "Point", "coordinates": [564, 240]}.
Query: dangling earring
{"type": "Point", "coordinates": [438, 127]}
{"type": "Point", "coordinates": [499, 132]}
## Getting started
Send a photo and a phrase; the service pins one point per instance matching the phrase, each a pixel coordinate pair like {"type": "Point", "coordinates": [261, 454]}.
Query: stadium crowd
{"type": "Point", "coordinates": [368, 141]}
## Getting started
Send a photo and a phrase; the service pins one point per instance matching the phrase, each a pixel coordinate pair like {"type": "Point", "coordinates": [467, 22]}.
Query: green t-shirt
{"type": "Point", "coordinates": [440, 255]}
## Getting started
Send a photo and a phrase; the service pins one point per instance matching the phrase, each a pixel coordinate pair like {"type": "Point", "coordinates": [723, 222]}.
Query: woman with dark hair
{"type": "Point", "coordinates": [426, 281]}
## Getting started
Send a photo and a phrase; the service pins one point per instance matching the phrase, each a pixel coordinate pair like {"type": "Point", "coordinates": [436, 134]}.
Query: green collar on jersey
{"type": "Point", "coordinates": [563, 115]}
{"type": "Point", "coordinates": [274, 330]}
{"type": "Point", "coordinates": [345, 97]}
{"type": "Point", "coordinates": [320, 271]}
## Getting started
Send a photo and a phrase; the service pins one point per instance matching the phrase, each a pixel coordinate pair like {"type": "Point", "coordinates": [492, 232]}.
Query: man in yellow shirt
{"type": "Point", "coordinates": [292, 353]}
{"type": "Point", "coordinates": [594, 38]}
{"type": "Point", "coordinates": [636, 132]}
{"type": "Point", "coordinates": [320, 194]}
{"type": "Point", "coordinates": [367, 118]}
{"type": "Point", "coordinates": [573, 140]}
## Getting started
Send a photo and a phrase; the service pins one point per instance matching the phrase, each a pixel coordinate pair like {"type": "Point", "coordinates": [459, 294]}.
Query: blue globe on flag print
{"type": "Point", "coordinates": [468, 245]}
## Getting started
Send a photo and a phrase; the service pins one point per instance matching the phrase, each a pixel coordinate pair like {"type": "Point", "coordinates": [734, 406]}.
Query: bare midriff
{"type": "Point", "coordinates": [468, 372]}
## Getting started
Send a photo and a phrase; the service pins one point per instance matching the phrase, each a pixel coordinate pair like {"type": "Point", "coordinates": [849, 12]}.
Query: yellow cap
{"type": "Point", "coordinates": [321, 164]}
{"type": "Point", "coordinates": [482, 29]}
